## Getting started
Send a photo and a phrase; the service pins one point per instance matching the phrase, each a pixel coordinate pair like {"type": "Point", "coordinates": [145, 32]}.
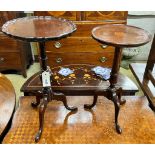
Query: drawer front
{"type": "Point", "coordinates": [7, 44]}
{"type": "Point", "coordinates": [70, 15]}
{"type": "Point", "coordinates": [10, 60]}
{"type": "Point", "coordinates": [77, 44]}
{"type": "Point", "coordinates": [105, 15]}
{"type": "Point", "coordinates": [97, 58]}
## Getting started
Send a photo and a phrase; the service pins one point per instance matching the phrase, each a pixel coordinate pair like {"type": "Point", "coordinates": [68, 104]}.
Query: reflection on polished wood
{"type": "Point", "coordinates": [36, 28]}
{"type": "Point", "coordinates": [83, 82]}
{"type": "Point", "coordinates": [85, 126]}
{"type": "Point", "coordinates": [120, 35]}
{"type": "Point", "coordinates": [7, 104]}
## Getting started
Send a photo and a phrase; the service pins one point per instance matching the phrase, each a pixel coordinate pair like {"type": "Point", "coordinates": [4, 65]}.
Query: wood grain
{"type": "Point", "coordinates": [7, 104]}
{"type": "Point", "coordinates": [121, 35]}
{"type": "Point", "coordinates": [38, 28]}
{"type": "Point", "coordinates": [14, 55]}
{"type": "Point", "coordinates": [86, 126]}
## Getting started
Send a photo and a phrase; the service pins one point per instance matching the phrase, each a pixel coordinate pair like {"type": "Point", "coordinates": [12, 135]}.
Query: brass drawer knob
{"type": "Point", "coordinates": [103, 59]}
{"type": "Point", "coordinates": [104, 46]}
{"type": "Point", "coordinates": [57, 44]}
{"type": "Point", "coordinates": [2, 59]}
{"type": "Point", "coordinates": [59, 60]}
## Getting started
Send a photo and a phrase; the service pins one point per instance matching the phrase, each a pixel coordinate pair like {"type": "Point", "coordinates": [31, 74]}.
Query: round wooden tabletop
{"type": "Point", "coordinates": [7, 103]}
{"type": "Point", "coordinates": [38, 28]}
{"type": "Point", "coordinates": [120, 35]}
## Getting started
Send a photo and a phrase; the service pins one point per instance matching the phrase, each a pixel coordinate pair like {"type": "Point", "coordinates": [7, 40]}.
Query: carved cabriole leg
{"type": "Point", "coordinates": [117, 108]}
{"type": "Point", "coordinates": [89, 106]}
{"type": "Point", "coordinates": [113, 94]}
{"type": "Point", "coordinates": [42, 109]}
{"type": "Point", "coordinates": [62, 97]}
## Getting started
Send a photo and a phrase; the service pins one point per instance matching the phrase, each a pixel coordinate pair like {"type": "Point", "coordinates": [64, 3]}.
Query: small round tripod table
{"type": "Point", "coordinates": [119, 36]}
{"type": "Point", "coordinates": [41, 29]}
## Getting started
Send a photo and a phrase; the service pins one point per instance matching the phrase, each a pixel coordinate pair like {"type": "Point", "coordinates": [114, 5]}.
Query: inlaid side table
{"type": "Point", "coordinates": [119, 36]}
{"type": "Point", "coordinates": [41, 29]}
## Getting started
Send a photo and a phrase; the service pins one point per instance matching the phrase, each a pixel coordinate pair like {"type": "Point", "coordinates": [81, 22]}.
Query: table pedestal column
{"type": "Point", "coordinates": [112, 92]}
{"type": "Point", "coordinates": [46, 94]}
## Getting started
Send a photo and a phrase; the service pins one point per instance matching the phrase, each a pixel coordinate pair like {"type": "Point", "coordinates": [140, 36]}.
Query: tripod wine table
{"type": "Point", "coordinates": [119, 36]}
{"type": "Point", "coordinates": [41, 29]}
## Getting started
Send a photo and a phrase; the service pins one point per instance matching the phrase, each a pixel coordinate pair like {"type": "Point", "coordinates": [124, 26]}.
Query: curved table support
{"type": "Point", "coordinates": [89, 106]}
{"type": "Point", "coordinates": [42, 109]}
{"type": "Point", "coordinates": [48, 96]}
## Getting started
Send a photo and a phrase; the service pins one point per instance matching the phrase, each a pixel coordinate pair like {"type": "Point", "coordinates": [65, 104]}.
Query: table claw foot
{"type": "Point", "coordinates": [89, 106]}
{"type": "Point", "coordinates": [62, 97]}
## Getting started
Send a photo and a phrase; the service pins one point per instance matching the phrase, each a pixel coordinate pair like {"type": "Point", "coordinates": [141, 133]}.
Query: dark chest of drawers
{"type": "Point", "coordinates": [80, 47]}
{"type": "Point", "coordinates": [14, 54]}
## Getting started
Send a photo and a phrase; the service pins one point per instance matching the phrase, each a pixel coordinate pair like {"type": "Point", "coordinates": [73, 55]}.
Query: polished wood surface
{"type": "Point", "coordinates": [148, 88]}
{"type": "Point", "coordinates": [121, 35]}
{"type": "Point", "coordinates": [81, 82]}
{"type": "Point", "coordinates": [81, 40]}
{"type": "Point", "coordinates": [85, 126]}
{"type": "Point", "coordinates": [7, 104]}
{"type": "Point", "coordinates": [41, 29]}
{"type": "Point", "coordinates": [118, 35]}
{"type": "Point", "coordinates": [38, 28]}
{"type": "Point", "coordinates": [14, 55]}
{"type": "Point", "coordinates": [85, 15]}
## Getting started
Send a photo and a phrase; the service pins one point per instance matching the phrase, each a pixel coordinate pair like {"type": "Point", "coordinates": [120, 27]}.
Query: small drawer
{"type": "Point", "coordinates": [77, 44]}
{"type": "Point", "coordinates": [9, 60]}
{"type": "Point", "coordinates": [94, 58]}
{"type": "Point", "coordinates": [7, 44]}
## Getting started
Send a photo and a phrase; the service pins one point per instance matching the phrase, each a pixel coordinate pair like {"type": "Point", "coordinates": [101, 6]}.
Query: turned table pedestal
{"type": "Point", "coordinates": [119, 36]}
{"type": "Point", "coordinates": [41, 29]}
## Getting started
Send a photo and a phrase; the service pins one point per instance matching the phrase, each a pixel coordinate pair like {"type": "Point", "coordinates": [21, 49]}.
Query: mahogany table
{"type": "Point", "coordinates": [7, 105]}
{"type": "Point", "coordinates": [119, 36]}
{"type": "Point", "coordinates": [41, 29]}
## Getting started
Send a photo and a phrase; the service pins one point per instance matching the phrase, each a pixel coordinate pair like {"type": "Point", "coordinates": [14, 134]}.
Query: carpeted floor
{"type": "Point", "coordinates": [18, 80]}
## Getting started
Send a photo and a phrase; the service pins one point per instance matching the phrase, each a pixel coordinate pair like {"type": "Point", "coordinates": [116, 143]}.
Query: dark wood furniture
{"type": "Point", "coordinates": [144, 74]}
{"type": "Point", "coordinates": [80, 48]}
{"type": "Point", "coordinates": [84, 127]}
{"type": "Point", "coordinates": [7, 105]}
{"type": "Point", "coordinates": [14, 55]}
{"type": "Point", "coordinates": [117, 35]}
{"type": "Point", "coordinates": [41, 29]}
{"type": "Point", "coordinates": [83, 82]}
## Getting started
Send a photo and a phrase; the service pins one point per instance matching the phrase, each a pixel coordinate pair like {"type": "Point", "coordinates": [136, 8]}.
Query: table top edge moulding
{"type": "Point", "coordinates": [41, 29]}
{"type": "Point", "coordinates": [121, 35]}
{"type": "Point", "coordinates": [37, 23]}
{"type": "Point", "coordinates": [41, 34]}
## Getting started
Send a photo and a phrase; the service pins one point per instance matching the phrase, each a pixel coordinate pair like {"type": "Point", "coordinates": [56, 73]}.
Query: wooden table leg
{"type": "Point", "coordinates": [114, 94]}
{"type": "Point", "coordinates": [42, 109]}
